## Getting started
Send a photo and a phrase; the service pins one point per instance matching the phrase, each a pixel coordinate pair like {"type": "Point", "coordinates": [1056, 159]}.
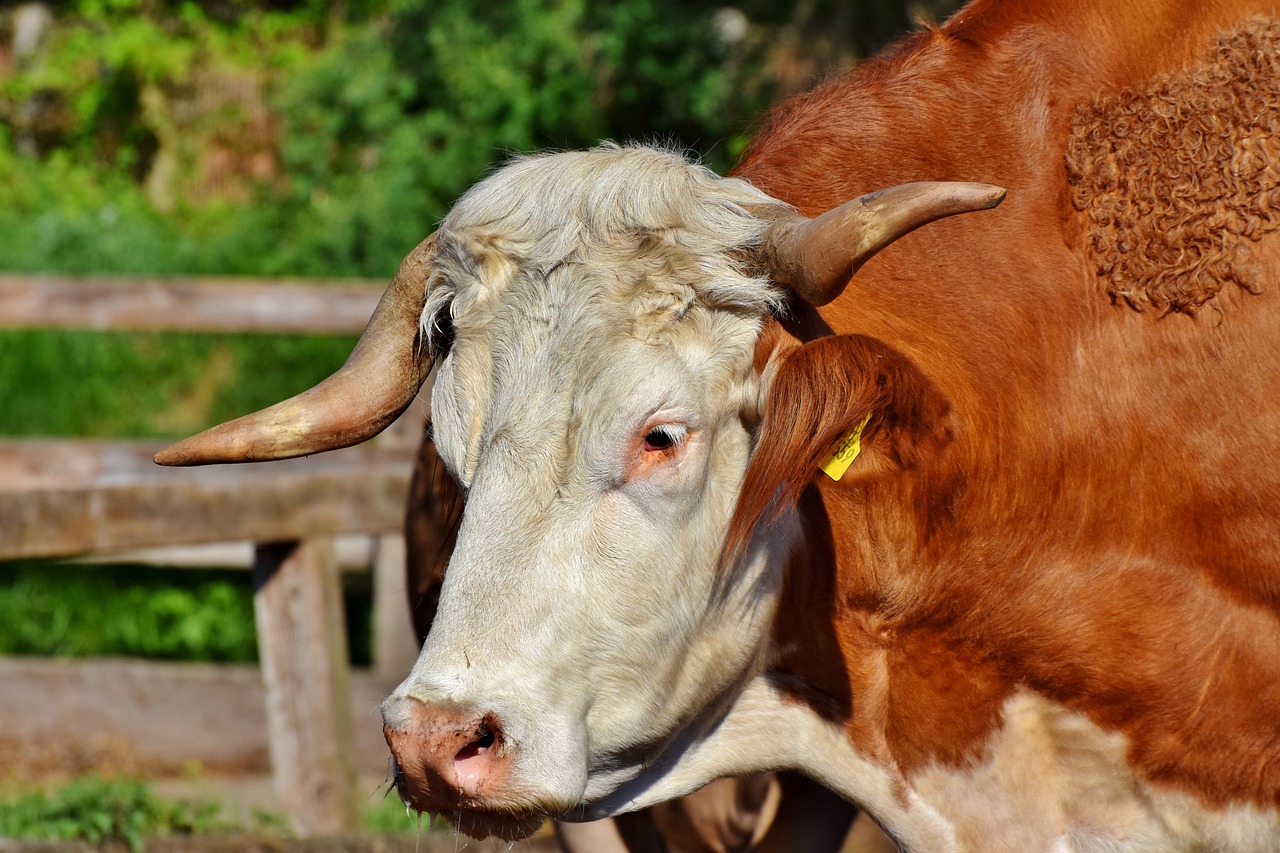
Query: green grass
{"type": "Point", "coordinates": [61, 609]}
{"type": "Point", "coordinates": [388, 814]}
{"type": "Point", "coordinates": [99, 810]}
{"type": "Point", "coordinates": [125, 810]}
{"type": "Point", "coordinates": [115, 385]}
{"type": "Point", "coordinates": [82, 611]}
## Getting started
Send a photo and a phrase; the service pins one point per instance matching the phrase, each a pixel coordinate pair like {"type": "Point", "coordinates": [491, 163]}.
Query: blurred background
{"type": "Point", "coordinates": [298, 139]}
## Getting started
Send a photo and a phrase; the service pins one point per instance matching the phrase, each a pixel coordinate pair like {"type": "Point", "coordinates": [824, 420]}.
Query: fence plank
{"type": "Point", "coordinates": [395, 643]}
{"type": "Point", "coordinates": [70, 498]}
{"type": "Point", "coordinates": [65, 498]}
{"type": "Point", "coordinates": [303, 650]}
{"type": "Point", "coordinates": [190, 304]}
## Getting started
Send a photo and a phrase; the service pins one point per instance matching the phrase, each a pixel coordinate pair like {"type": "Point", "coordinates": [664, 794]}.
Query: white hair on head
{"type": "Point", "coordinates": [607, 206]}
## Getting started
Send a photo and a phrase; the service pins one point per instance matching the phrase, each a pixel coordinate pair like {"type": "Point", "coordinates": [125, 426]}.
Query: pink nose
{"type": "Point", "coordinates": [447, 757]}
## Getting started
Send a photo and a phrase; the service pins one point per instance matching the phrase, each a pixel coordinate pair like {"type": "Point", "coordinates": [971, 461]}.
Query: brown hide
{"type": "Point", "coordinates": [1101, 520]}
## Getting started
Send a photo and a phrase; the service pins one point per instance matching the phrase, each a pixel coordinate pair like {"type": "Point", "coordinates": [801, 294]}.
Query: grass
{"type": "Point", "coordinates": [149, 385]}
{"type": "Point", "coordinates": [99, 810]}
{"type": "Point", "coordinates": [81, 611]}
{"type": "Point", "coordinates": [128, 811]}
{"type": "Point", "coordinates": [67, 610]}
{"type": "Point", "coordinates": [389, 814]}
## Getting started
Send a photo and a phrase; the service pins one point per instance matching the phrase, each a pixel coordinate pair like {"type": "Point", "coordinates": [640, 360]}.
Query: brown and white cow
{"type": "Point", "coordinates": [763, 812]}
{"type": "Point", "coordinates": [1040, 611]}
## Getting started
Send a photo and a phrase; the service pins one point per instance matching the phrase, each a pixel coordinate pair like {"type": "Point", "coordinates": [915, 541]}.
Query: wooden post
{"type": "Point", "coordinates": [395, 647]}
{"type": "Point", "coordinates": [303, 648]}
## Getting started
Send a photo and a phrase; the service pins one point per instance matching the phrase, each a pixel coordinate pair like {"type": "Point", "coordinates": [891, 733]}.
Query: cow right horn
{"type": "Point", "coordinates": [378, 381]}
{"type": "Point", "coordinates": [815, 258]}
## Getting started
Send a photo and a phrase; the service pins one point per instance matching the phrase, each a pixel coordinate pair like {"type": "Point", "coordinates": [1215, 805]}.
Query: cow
{"type": "Point", "coordinates": [762, 812]}
{"type": "Point", "coordinates": [975, 522]}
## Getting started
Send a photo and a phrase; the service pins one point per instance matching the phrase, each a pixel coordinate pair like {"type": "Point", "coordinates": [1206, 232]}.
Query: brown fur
{"type": "Point", "coordinates": [819, 394]}
{"type": "Point", "coordinates": [431, 523]}
{"type": "Point", "coordinates": [1177, 178]}
{"type": "Point", "coordinates": [1100, 523]}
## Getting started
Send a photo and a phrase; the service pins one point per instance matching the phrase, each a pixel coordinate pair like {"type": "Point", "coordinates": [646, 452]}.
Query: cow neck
{"type": "Point", "coordinates": [907, 692]}
{"type": "Point", "coordinates": [916, 652]}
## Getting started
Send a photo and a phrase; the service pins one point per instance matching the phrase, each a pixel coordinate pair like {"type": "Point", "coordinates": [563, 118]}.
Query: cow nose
{"type": "Point", "coordinates": [446, 757]}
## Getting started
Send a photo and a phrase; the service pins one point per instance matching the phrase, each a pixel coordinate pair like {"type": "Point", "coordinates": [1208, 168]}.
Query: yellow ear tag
{"type": "Point", "coordinates": [844, 454]}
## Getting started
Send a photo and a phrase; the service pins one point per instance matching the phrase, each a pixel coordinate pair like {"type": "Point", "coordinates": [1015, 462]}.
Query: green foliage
{"type": "Point", "coordinates": [99, 810]}
{"type": "Point", "coordinates": [377, 121]}
{"type": "Point", "coordinates": [290, 138]}
{"type": "Point", "coordinates": [76, 611]}
{"type": "Point", "coordinates": [67, 610]}
{"type": "Point", "coordinates": [145, 385]}
{"type": "Point", "coordinates": [385, 812]}
{"type": "Point", "coordinates": [128, 811]}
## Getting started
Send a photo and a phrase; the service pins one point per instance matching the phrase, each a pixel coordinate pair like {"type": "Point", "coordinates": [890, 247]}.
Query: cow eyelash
{"type": "Point", "coordinates": [664, 438]}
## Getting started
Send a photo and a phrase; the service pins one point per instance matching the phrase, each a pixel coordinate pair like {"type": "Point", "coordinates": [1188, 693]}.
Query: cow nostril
{"type": "Point", "coordinates": [474, 748]}
{"type": "Point", "coordinates": [486, 737]}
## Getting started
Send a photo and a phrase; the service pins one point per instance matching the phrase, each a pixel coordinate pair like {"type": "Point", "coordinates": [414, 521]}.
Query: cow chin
{"type": "Point", "coordinates": [508, 827]}
{"type": "Point", "coordinates": [471, 816]}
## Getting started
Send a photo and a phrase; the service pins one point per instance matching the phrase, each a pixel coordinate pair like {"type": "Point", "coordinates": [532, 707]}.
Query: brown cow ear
{"type": "Point", "coordinates": [822, 392]}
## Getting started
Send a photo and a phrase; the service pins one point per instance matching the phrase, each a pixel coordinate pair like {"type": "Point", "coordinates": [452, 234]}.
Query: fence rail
{"type": "Point", "coordinates": [67, 498]}
{"type": "Point", "coordinates": [81, 498]}
{"type": "Point", "coordinates": [190, 304]}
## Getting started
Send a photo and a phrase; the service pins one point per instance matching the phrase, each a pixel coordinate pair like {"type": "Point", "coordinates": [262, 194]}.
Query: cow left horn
{"type": "Point", "coordinates": [378, 381]}
{"type": "Point", "coordinates": [816, 257]}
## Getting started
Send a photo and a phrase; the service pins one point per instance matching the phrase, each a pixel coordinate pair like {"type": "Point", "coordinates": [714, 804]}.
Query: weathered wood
{"type": "Point", "coordinates": [425, 841]}
{"type": "Point", "coordinates": [303, 651]}
{"type": "Point", "coordinates": [67, 497]}
{"type": "Point", "coordinates": [395, 645]}
{"type": "Point", "coordinates": [356, 554]}
{"type": "Point", "coordinates": [61, 717]}
{"type": "Point", "coordinates": [190, 304]}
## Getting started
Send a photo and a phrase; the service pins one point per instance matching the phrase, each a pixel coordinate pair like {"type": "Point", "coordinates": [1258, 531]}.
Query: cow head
{"type": "Point", "coordinates": [593, 318]}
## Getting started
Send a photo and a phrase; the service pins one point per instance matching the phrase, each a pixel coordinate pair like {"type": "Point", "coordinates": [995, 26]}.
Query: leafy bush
{"type": "Point", "coordinates": [281, 138]}
{"type": "Point", "coordinates": [142, 385]}
{"type": "Point", "coordinates": [67, 610]}
{"type": "Point", "coordinates": [99, 810]}
{"type": "Point", "coordinates": [77, 611]}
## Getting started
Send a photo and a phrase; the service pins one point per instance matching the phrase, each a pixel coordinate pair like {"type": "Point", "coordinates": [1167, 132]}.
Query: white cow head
{"type": "Point", "coordinates": [593, 401]}
{"type": "Point", "coordinates": [593, 317]}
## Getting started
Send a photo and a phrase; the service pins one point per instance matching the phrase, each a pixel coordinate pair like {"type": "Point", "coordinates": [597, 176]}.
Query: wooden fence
{"type": "Point", "coordinates": [81, 498]}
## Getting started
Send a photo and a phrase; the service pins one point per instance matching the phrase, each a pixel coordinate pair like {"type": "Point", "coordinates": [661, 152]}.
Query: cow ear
{"type": "Point", "coordinates": [819, 394]}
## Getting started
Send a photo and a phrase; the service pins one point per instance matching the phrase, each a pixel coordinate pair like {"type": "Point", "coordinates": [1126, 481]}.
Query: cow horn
{"type": "Point", "coordinates": [378, 381]}
{"type": "Point", "coordinates": [815, 258]}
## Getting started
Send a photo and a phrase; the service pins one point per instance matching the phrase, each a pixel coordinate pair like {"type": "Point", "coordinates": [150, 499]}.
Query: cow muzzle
{"type": "Point", "coordinates": [459, 763]}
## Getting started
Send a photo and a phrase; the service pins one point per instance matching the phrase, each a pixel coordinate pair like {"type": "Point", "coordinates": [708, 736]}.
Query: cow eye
{"type": "Point", "coordinates": [663, 438]}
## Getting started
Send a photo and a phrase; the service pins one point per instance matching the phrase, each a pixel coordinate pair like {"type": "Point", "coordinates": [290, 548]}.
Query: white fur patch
{"type": "Point", "coordinates": [1055, 781]}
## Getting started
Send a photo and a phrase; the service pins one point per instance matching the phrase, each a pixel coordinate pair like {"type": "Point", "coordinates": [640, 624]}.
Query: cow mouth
{"type": "Point", "coordinates": [509, 825]}
{"type": "Point", "coordinates": [485, 824]}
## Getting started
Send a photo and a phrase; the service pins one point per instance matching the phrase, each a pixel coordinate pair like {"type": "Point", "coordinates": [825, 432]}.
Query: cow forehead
{"type": "Point", "coordinates": [672, 230]}
{"type": "Point", "coordinates": [555, 367]}
{"type": "Point", "coordinates": [569, 278]}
